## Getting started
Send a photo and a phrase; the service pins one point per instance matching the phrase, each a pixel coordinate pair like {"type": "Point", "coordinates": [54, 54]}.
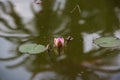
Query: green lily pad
{"type": "Point", "coordinates": [32, 48]}
{"type": "Point", "coordinates": [107, 42]}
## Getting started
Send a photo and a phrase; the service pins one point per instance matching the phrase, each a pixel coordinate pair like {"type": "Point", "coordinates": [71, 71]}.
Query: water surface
{"type": "Point", "coordinates": [84, 20]}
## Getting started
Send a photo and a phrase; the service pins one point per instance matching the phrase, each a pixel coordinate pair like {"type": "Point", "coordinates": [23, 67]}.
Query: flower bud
{"type": "Point", "coordinates": [59, 42]}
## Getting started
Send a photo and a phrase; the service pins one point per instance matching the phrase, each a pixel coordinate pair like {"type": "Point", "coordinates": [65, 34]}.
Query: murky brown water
{"type": "Point", "coordinates": [84, 20]}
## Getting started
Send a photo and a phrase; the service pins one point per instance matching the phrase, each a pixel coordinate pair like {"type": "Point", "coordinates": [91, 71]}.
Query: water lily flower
{"type": "Point", "coordinates": [59, 42]}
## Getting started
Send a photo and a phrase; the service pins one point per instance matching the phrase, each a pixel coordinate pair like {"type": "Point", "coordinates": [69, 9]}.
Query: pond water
{"type": "Point", "coordinates": [40, 21]}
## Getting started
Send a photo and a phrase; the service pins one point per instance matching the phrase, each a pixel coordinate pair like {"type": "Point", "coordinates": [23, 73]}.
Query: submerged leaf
{"type": "Point", "coordinates": [32, 48]}
{"type": "Point", "coordinates": [107, 42]}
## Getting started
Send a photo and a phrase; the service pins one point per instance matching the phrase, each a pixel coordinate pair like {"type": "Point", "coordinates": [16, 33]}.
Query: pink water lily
{"type": "Point", "coordinates": [59, 42]}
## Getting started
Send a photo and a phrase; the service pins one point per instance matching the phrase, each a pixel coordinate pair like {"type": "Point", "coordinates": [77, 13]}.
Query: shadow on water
{"type": "Point", "coordinates": [82, 60]}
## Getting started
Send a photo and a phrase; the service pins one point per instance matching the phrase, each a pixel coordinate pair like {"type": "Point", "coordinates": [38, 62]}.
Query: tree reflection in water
{"type": "Point", "coordinates": [56, 19]}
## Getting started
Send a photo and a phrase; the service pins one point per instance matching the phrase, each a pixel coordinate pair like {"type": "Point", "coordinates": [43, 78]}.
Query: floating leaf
{"type": "Point", "coordinates": [107, 42]}
{"type": "Point", "coordinates": [32, 48]}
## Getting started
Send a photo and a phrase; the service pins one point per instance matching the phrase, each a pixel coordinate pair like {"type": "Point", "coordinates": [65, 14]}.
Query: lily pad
{"type": "Point", "coordinates": [32, 48]}
{"type": "Point", "coordinates": [107, 42]}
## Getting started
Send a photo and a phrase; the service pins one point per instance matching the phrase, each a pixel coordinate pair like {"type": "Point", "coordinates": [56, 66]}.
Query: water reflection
{"type": "Point", "coordinates": [82, 59]}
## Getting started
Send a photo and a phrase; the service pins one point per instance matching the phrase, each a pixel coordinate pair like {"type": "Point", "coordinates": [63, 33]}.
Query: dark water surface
{"type": "Point", "coordinates": [27, 21]}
